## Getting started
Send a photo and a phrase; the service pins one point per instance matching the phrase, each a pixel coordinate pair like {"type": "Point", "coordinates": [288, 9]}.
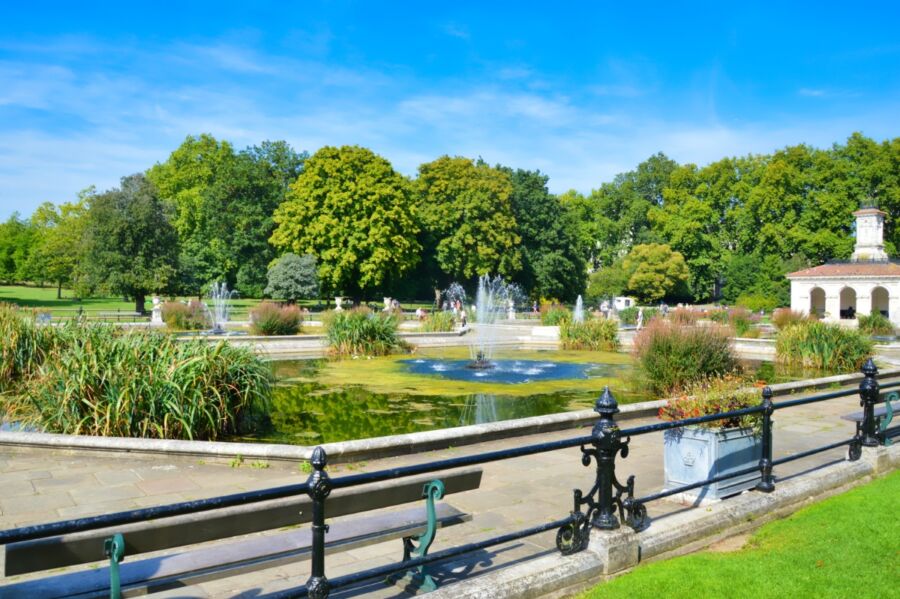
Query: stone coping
{"type": "Point", "coordinates": [376, 447]}
{"type": "Point", "coordinates": [613, 552]}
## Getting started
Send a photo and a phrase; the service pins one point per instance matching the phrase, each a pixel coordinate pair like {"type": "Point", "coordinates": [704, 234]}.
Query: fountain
{"type": "Point", "coordinates": [578, 314]}
{"type": "Point", "coordinates": [219, 296]}
{"type": "Point", "coordinates": [490, 302]}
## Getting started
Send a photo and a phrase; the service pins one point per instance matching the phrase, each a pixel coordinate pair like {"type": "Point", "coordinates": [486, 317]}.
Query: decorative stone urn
{"type": "Point", "coordinates": [338, 300]}
{"type": "Point", "coordinates": [511, 310]}
{"type": "Point", "coordinates": [694, 454]}
{"type": "Point", "coordinates": [156, 313]}
{"type": "Point", "coordinates": [387, 304]}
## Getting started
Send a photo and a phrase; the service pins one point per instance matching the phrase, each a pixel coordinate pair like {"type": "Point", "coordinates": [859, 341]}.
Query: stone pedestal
{"type": "Point", "coordinates": [338, 300]}
{"type": "Point", "coordinates": [156, 313]}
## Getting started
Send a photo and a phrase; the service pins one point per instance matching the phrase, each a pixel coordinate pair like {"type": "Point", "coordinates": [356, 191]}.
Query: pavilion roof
{"type": "Point", "coordinates": [849, 269]}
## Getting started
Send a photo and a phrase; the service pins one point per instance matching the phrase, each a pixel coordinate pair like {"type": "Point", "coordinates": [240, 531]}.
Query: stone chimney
{"type": "Point", "coordinates": [869, 236]}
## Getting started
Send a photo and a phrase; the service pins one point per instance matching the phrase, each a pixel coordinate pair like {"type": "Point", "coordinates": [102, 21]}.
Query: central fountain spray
{"type": "Point", "coordinates": [578, 314]}
{"type": "Point", "coordinates": [491, 301]}
{"type": "Point", "coordinates": [219, 296]}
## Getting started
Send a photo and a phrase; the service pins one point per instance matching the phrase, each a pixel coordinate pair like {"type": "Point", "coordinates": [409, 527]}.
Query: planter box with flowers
{"type": "Point", "coordinates": [696, 453]}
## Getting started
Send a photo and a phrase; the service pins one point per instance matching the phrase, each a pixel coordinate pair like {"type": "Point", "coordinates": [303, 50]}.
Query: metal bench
{"type": "Point", "coordinates": [884, 414]}
{"type": "Point", "coordinates": [416, 526]}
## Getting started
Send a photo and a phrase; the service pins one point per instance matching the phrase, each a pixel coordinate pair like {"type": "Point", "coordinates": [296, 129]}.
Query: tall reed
{"type": "Point", "coordinates": [97, 380]}
{"type": "Point", "coordinates": [362, 332]}
{"type": "Point", "coordinates": [23, 346]}
{"type": "Point", "coordinates": [823, 346]}
{"type": "Point", "coordinates": [599, 334]}
{"type": "Point", "coordinates": [438, 322]}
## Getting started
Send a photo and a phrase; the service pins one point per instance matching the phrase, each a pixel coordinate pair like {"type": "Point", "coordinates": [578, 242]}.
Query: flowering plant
{"type": "Point", "coordinates": [714, 396]}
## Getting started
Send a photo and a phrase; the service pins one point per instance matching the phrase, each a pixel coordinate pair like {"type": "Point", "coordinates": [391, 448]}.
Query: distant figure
{"type": "Point", "coordinates": [604, 308]}
{"type": "Point", "coordinates": [664, 308]}
{"type": "Point", "coordinates": [462, 318]}
{"type": "Point", "coordinates": [640, 319]}
{"type": "Point", "coordinates": [534, 307]}
{"type": "Point", "coordinates": [420, 313]}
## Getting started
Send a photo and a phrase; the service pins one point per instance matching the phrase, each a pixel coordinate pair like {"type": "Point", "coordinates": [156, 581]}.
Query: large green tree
{"type": "Point", "coordinates": [466, 212]}
{"type": "Point", "coordinates": [130, 246]}
{"type": "Point", "coordinates": [354, 213]}
{"type": "Point", "coordinates": [223, 203]}
{"type": "Point", "coordinates": [552, 263]}
{"type": "Point", "coordinates": [654, 271]}
{"type": "Point", "coordinates": [59, 234]}
{"type": "Point", "coordinates": [16, 243]}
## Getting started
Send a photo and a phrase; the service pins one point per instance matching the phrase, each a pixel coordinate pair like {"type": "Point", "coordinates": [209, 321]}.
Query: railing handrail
{"type": "Point", "coordinates": [603, 444]}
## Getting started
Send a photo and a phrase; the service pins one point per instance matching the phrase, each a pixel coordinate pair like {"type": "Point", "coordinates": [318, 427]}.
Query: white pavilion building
{"type": "Point", "coordinates": [869, 282]}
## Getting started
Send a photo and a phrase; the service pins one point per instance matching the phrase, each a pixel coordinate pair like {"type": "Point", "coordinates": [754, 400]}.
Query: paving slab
{"type": "Point", "coordinates": [515, 493]}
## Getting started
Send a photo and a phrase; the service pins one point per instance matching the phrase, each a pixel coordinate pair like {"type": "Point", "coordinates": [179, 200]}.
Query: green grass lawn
{"type": "Point", "coordinates": [845, 546]}
{"type": "Point", "coordinates": [45, 298]}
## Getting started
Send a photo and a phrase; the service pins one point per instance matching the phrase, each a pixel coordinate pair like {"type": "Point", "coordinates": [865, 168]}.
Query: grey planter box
{"type": "Point", "coordinates": [695, 454]}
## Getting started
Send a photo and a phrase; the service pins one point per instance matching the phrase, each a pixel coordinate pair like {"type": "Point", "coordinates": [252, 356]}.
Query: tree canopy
{"type": "Point", "coordinates": [354, 213]}
{"type": "Point", "coordinates": [466, 211]}
{"type": "Point", "coordinates": [293, 278]}
{"type": "Point", "coordinates": [130, 244]}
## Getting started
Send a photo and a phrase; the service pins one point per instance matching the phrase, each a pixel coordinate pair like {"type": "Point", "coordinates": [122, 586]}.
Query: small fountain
{"type": "Point", "coordinates": [490, 303]}
{"type": "Point", "coordinates": [219, 296]}
{"type": "Point", "coordinates": [578, 314]}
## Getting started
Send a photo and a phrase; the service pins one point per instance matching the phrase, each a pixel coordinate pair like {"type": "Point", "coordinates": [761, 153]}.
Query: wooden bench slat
{"type": "Point", "coordinates": [880, 410]}
{"type": "Point", "coordinates": [178, 531]}
{"type": "Point", "coordinates": [233, 558]}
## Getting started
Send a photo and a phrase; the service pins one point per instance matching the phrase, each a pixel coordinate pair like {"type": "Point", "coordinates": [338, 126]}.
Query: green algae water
{"type": "Point", "coordinates": [321, 401]}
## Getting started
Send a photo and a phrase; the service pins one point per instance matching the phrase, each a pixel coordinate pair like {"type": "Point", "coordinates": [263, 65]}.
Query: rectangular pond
{"type": "Point", "coordinates": [321, 401]}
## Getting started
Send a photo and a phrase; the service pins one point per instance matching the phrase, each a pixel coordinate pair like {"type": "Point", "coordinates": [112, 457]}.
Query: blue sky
{"type": "Point", "coordinates": [579, 91]}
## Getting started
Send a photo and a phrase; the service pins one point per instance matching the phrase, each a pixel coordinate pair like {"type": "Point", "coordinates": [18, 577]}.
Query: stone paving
{"type": "Point", "coordinates": [41, 486]}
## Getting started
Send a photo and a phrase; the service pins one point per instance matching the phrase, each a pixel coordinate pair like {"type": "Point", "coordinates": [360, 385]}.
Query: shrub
{"type": "Point", "coordinates": [742, 321]}
{"type": "Point", "coordinates": [186, 317]}
{"type": "Point", "coordinates": [293, 278]}
{"type": "Point", "coordinates": [783, 317]}
{"type": "Point", "coordinates": [362, 332]}
{"type": "Point", "coordinates": [673, 356]}
{"type": "Point", "coordinates": [756, 302]}
{"type": "Point", "coordinates": [596, 334]}
{"type": "Point", "coordinates": [554, 315]}
{"type": "Point", "coordinates": [438, 322]}
{"type": "Point", "coordinates": [99, 381]}
{"type": "Point", "coordinates": [875, 324]}
{"type": "Point", "coordinates": [714, 396]}
{"type": "Point", "coordinates": [268, 318]}
{"type": "Point", "coordinates": [824, 346]}
{"type": "Point", "coordinates": [681, 316]}
{"type": "Point", "coordinates": [629, 315]}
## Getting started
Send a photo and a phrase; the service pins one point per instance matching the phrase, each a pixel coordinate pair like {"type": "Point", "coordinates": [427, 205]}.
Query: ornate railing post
{"type": "Point", "coordinates": [767, 481]}
{"type": "Point", "coordinates": [607, 444]}
{"type": "Point", "coordinates": [868, 396]}
{"type": "Point", "coordinates": [319, 489]}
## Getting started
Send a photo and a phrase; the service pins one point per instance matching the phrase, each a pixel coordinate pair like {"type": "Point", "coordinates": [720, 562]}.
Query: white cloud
{"type": "Point", "coordinates": [94, 126]}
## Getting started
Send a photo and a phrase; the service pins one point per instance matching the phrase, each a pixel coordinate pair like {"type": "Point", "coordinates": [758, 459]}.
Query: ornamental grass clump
{"type": "Point", "coordinates": [100, 381]}
{"type": "Point", "coordinates": [268, 318]}
{"type": "Point", "coordinates": [360, 332]}
{"type": "Point", "coordinates": [438, 322]}
{"type": "Point", "coordinates": [599, 334]}
{"type": "Point", "coordinates": [24, 345]}
{"type": "Point", "coordinates": [682, 316]}
{"type": "Point", "coordinates": [875, 324]}
{"type": "Point", "coordinates": [673, 356]}
{"type": "Point", "coordinates": [784, 317]}
{"type": "Point", "coordinates": [715, 395]}
{"type": "Point", "coordinates": [192, 316]}
{"type": "Point", "coordinates": [822, 346]}
{"type": "Point", "coordinates": [554, 315]}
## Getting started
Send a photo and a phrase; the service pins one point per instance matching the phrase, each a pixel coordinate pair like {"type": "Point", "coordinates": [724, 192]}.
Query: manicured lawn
{"type": "Point", "coordinates": [846, 546]}
{"type": "Point", "coordinates": [45, 298]}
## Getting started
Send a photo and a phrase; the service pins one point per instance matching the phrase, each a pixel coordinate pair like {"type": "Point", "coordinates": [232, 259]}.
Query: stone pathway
{"type": "Point", "coordinates": [41, 486]}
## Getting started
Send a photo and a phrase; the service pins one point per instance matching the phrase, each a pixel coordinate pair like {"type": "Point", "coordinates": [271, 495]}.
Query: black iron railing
{"type": "Point", "coordinates": [603, 507]}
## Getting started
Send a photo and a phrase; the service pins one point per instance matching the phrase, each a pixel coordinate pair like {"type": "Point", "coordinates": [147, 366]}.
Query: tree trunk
{"type": "Point", "coordinates": [139, 300]}
{"type": "Point", "coordinates": [59, 290]}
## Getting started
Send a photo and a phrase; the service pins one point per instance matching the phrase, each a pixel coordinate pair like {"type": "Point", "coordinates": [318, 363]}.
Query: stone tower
{"type": "Point", "coordinates": [869, 236]}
